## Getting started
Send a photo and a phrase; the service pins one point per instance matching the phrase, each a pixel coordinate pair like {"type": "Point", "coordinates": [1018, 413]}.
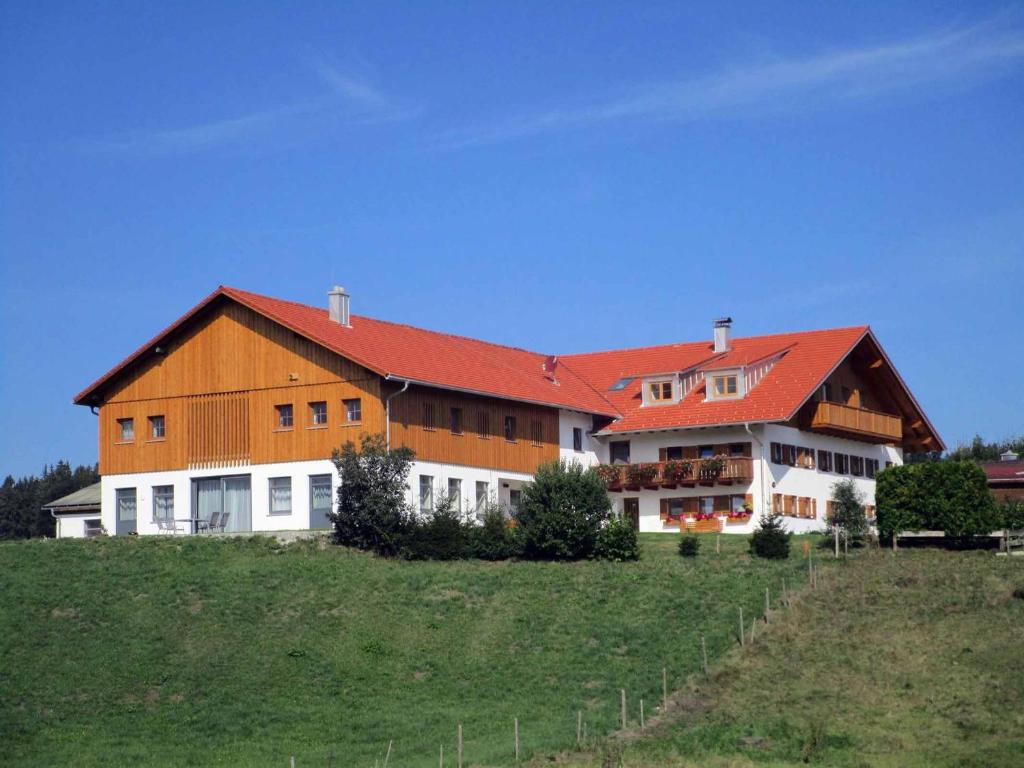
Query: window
{"type": "Point", "coordinates": [536, 431]}
{"type": "Point", "coordinates": [426, 493]}
{"type": "Point", "coordinates": [842, 462]}
{"type": "Point", "coordinates": [456, 421]}
{"type": "Point", "coordinates": [320, 501]}
{"type": "Point", "coordinates": [621, 384]}
{"type": "Point", "coordinates": [455, 492]}
{"type": "Point", "coordinates": [738, 449]}
{"type": "Point", "coordinates": [789, 455]}
{"type": "Point", "coordinates": [847, 395]}
{"type": "Point", "coordinates": [577, 439]}
{"type": "Point", "coordinates": [318, 414]}
{"type": "Point", "coordinates": [805, 457]}
{"type": "Point", "coordinates": [871, 467]}
{"type": "Point", "coordinates": [515, 498]}
{"type": "Point", "coordinates": [163, 502]}
{"type": "Point", "coordinates": [285, 416]}
{"type": "Point", "coordinates": [482, 492]}
{"type": "Point", "coordinates": [660, 390]}
{"type": "Point", "coordinates": [510, 428]}
{"type": "Point", "coordinates": [857, 466]}
{"type": "Point", "coordinates": [825, 393]}
{"type": "Point", "coordinates": [725, 386]}
{"type": "Point", "coordinates": [825, 461]}
{"type": "Point", "coordinates": [127, 430]}
{"type": "Point", "coordinates": [674, 453]}
{"type": "Point", "coordinates": [93, 527]}
{"type": "Point", "coordinates": [619, 451]}
{"type": "Point", "coordinates": [673, 508]}
{"type": "Point", "coordinates": [705, 451]}
{"type": "Point", "coordinates": [428, 416]}
{"type": "Point", "coordinates": [280, 495]}
{"type": "Point", "coordinates": [707, 505]}
{"type": "Point", "coordinates": [157, 429]}
{"type": "Point", "coordinates": [776, 450]}
{"type": "Point", "coordinates": [353, 410]}
{"type": "Point", "coordinates": [736, 504]}
{"type": "Point", "coordinates": [483, 424]}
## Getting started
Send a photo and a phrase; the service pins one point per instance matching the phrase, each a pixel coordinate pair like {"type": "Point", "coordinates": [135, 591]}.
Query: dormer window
{"type": "Point", "coordinates": [725, 386]}
{"type": "Point", "coordinates": [661, 390]}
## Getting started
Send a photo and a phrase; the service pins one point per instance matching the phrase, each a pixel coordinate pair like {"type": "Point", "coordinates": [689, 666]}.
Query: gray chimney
{"type": "Point", "coordinates": [338, 306]}
{"type": "Point", "coordinates": [723, 334]}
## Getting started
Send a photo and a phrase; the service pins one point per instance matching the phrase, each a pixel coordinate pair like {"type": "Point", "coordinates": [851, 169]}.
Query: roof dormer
{"type": "Point", "coordinates": [661, 390]}
{"type": "Point", "coordinates": [725, 384]}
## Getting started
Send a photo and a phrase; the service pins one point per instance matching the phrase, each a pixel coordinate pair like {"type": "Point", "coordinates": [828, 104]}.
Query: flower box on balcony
{"type": "Point", "coordinates": [737, 519]}
{"type": "Point", "coordinates": [677, 471]}
{"type": "Point", "coordinates": [612, 476]}
{"type": "Point", "coordinates": [641, 475]}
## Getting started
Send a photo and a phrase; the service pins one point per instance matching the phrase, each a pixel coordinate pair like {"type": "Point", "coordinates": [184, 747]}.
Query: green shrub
{"type": "Point", "coordinates": [848, 511]}
{"type": "Point", "coordinates": [493, 539]}
{"type": "Point", "coordinates": [617, 541]}
{"type": "Point", "coordinates": [1011, 514]}
{"type": "Point", "coordinates": [689, 545]}
{"type": "Point", "coordinates": [770, 539]}
{"type": "Point", "coordinates": [372, 512]}
{"type": "Point", "coordinates": [444, 533]}
{"type": "Point", "coordinates": [561, 512]}
{"type": "Point", "coordinates": [948, 496]}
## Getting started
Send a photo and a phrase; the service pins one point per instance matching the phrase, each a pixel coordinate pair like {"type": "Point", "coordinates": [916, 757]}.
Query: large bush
{"type": "Point", "coordinates": [617, 541]}
{"type": "Point", "coordinates": [948, 496]}
{"type": "Point", "coordinates": [443, 533]}
{"type": "Point", "coordinates": [1011, 514]}
{"type": "Point", "coordinates": [770, 539]}
{"type": "Point", "coordinates": [848, 511]}
{"type": "Point", "coordinates": [372, 511]}
{"type": "Point", "coordinates": [494, 538]}
{"type": "Point", "coordinates": [561, 512]}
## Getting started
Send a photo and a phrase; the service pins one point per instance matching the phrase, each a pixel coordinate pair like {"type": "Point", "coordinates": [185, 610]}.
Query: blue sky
{"type": "Point", "coordinates": [560, 176]}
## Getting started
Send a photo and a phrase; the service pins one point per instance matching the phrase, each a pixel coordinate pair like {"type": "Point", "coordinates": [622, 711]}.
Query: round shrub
{"type": "Point", "coordinates": [444, 534]}
{"type": "Point", "coordinates": [562, 512]}
{"type": "Point", "coordinates": [689, 545]}
{"type": "Point", "coordinates": [617, 541]}
{"type": "Point", "coordinates": [770, 539]}
{"type": "Point", "coordinates": [493, 539]}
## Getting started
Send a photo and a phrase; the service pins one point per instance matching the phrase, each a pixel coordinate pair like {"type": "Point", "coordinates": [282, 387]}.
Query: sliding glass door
{"type": "Point", "coordinates": [222, 503]}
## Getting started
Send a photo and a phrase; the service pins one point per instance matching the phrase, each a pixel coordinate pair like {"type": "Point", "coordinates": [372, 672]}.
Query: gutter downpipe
{"type": "Point", "coordinates": [764, 468]}
{"type": "Point", "coordinates": [387, 414]}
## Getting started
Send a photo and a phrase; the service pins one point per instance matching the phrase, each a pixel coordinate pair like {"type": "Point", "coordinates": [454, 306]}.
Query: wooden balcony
{"type": "Point", "coordinates": [858, 423]}
{"type": "Point", "coordinates": [686, 473]}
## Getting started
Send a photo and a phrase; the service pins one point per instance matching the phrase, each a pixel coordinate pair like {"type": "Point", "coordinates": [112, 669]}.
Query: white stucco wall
{"type": "Point", "coordinates": [73, 526]}
{"type": "Point", "coordinates": [567, 420]}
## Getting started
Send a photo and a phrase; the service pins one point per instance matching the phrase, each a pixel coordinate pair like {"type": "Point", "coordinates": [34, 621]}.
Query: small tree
{"type": "Point", "coordinates": [372, 511]}
{"type": "Point", "coordinates": [562, 511]}
{"type": "Point", "coordinates": [689, 545]}
{"type": "Point", "coordinates": [617, 541]}
{"type": "Point", "coordinates": [493, 539]}
{"type": "Point", "coordinates": [770, 539]}
{"type": "Point", "coordinates": [848, 519]}
{"type": "Point", "coordinates": [443, 533]}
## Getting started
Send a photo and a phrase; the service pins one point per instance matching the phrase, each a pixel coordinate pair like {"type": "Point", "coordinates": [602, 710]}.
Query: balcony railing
{"type": "Point", "coordinates": [723, 470]}
{"type": "Point", "coordinates": [837, 417]}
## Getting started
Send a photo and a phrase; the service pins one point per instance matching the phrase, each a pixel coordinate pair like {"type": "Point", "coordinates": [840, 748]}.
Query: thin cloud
{"type": "Point", "coordinates": [953, 54]}
{"type": "Point", "coordinates": [345, 100]}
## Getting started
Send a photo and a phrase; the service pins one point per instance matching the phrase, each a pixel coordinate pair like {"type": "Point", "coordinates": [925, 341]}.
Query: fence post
{"type": "Point", "coordinates": [664, 689]}
{"type": "Point", "coordinates": [704, 654]}
{"type": "Point", "coordinates": [741, 626]}
{"type": "Point", "coordinates": [641, 714]}
{"type": "Point", "coordinates": [387, 755]}
{"type": "Point", "coordinates": [517, 737]}
{"type": "Point", "coordinates": [460, 745]}
{"type": "Point", "coordinates": [622, 694]}
{"type": "Point", "coordinates": [767, 604]}
{"type": "Point", "coordinates": [579, 726]}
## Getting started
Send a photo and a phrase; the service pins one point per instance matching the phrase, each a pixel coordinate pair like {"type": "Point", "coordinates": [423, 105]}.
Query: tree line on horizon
{"type": "Point", "coordinates": [21, 501]}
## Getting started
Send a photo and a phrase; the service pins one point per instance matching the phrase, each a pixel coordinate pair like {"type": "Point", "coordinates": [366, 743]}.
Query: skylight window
{"type": "Point", "coordinates": [621, 384]}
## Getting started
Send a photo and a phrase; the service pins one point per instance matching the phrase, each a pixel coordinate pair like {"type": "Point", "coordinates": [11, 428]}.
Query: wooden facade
{"type": "Point", "coordinates": [421, 419]}
{"type": "Point", "coordinates": [217, 386]}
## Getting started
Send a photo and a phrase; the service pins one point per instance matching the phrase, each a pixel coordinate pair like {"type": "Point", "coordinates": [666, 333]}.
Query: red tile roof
{"type": "Point", "coordinates": [582, 381]}
{"type": "Point", "coordinates": [806, 361]}
{"type": "Point", "coordinates": [1004, 471]}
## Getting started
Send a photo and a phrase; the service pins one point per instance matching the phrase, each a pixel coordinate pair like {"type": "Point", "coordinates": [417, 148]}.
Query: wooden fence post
{"type": "Point", "coordinates": [579, 726]}
{"type": "Point", "coordinates": [387, 755]}
{"type": "Point", "coordinates": [767, 604]}
{"type": "Point", "coordinates": [641, 714]}
{"type": "Point", "coordinates": [664, 689]}
{"type": "Point", "coordinates": [741, 626]}
{"type": "Point", "coordinates": [704, 654]}
{"type": "Point", "coordinates": [441, 764]}
{"type": "Point", "coordinates": [622, 695]}
{"type": "Point", "coordinates": [516, 735]}
{"type": "Point", "coordinates": [459, 745]}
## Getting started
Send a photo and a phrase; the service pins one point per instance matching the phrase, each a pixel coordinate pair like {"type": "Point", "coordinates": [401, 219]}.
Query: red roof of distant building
{"type": "Point", "coordinates": [1004, 471]}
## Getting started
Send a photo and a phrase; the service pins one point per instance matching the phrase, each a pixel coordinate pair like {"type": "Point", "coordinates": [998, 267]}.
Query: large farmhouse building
{"type": "Point", "coordinates": [226, 420]}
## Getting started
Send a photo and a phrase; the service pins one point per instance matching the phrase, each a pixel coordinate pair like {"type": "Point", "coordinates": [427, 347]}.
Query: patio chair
{"type": "Point", "coordinates": [206, 526]}
{"type": "Point", "coordinates": [166, 525]}
{"type": "Point", "coordinates": [223, 522]}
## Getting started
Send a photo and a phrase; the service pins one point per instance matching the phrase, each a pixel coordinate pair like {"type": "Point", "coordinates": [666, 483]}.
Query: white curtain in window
{"type": "Point", "coordinates": [238, 504]}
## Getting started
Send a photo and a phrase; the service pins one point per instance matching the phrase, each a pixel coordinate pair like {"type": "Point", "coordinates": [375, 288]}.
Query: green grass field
{"type": "Point", "coordinates": [906, 662]}
{"type": "Point", "coordinates": [242, 652]}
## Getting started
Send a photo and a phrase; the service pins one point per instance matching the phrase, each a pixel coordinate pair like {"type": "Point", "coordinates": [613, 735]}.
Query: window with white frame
{"type": "Point", "coordinates": [285, 416]}
{"type": "Point", "coordinates": [455, 492]}
{"type": "Point", "coordinates": [163, 502]}
{"type": "Point", "coordinates": [353, 410]}
{"type": "Point", "coordinates": [157, 428]}
{"type": "Point", "coordinates": [318, 414]}
{"type": "Point", "coordinates": [280, 495]}
{"type": "Point", "coordinates": [482, 491]}
{"type": "Point", "coordinates": [577, 439]}
{"type": "Point", "coordinates": [426, 493]}
{"type": "Point", "coordinates": [93, 527]}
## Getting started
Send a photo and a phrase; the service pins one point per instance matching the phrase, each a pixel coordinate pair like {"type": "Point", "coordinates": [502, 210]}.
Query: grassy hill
{"type": "Point", "coordinates": [899, 662]}
{"type": "Point", "coordinates": [241, 652]}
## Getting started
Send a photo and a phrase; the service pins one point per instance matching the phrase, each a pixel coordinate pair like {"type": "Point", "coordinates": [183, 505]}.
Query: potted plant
{"type": "Point", "coordinates": [611, 474]}
{"type": "Point", "coordinates": [641, 474]}
{"type": "Point", "coordinates": [711, 468]}
{"type": "Point", "coordinates": [677, 471]}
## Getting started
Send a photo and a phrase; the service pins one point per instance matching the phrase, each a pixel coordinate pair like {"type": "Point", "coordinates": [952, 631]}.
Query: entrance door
{"type": "Point", "coordinates": [127, 511]}
{"type": "Point", "coordinates": [229, 498]}
{"type": "Point", "coordinates": [319, 501]}
{"type": "Point", "coordinates": [631, 511]}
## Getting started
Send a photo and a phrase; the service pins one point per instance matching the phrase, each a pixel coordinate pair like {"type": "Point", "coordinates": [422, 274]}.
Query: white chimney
{"type": "Point", "coordinates": [723, 334]}
{"type": "Point", "coordinates": [337, 302]}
